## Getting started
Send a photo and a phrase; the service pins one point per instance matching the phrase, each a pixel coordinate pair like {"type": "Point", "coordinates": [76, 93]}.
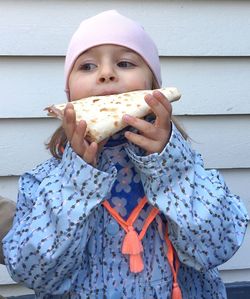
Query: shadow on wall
{"type": "Point", "coordinates": [239, 290]}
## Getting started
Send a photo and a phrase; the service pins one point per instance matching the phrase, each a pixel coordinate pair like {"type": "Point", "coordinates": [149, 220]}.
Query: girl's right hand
{"type": "Point", "coordinates": [76, 136]}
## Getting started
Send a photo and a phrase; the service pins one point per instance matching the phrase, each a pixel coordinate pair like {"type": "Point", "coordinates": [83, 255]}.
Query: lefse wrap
{"type": "Point", "coordinates": [103, 114]}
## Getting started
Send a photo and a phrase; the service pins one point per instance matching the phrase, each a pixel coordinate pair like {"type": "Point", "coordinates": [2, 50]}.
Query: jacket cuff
{"type": "Point", "coordinates": [85, 177]}
{"type": "Point", "coordinates": [173, 156]}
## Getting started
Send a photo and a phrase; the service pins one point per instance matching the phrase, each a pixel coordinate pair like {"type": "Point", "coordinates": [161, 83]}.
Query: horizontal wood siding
{"type": "Point", "coordinates": [211, 135]}
{"type": "Point", "coordinates": [209, 85]}
{"type": "Point", "coordinates": [204, 48]}
{"type": "Point", "coordinates": [180, 28]}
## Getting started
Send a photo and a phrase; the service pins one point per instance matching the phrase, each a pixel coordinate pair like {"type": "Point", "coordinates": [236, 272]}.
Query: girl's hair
{"type": "Point", "coordinates": [57, 143]}
{"type": "Point", "coordinates": [58, 140]}
{"type": "Point", "coordinates": [184, 134]}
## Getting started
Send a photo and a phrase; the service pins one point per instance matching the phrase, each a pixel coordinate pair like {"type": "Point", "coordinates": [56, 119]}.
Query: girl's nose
{"type": "Point", "coordinates": [107, 74]}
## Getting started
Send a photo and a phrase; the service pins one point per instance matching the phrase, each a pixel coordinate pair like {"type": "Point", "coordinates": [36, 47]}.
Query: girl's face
{"type": "Point", "coordinates": [108, 69]}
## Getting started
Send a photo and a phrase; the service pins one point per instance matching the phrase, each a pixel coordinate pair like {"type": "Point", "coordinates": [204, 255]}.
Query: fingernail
{"type": "Point", "coordinates": [127, 117]}
{"type": "Point", "coordinates": [151, 100]}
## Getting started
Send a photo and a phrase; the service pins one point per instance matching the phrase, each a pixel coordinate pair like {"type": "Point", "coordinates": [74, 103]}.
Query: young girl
{"type": "Point", "coordinates": [96, 220]}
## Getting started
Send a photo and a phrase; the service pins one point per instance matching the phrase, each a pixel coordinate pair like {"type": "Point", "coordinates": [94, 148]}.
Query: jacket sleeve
{"type": "Point", "coordinates": [7, 211]}
{"type": "Point", "coordinates": [54, 219]}
{"type": "Point", "coordinates": [206, 222]}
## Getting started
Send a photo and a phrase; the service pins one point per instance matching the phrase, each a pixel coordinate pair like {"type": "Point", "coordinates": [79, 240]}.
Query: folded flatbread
{"type": "Point", "coordinates": [103, 114]}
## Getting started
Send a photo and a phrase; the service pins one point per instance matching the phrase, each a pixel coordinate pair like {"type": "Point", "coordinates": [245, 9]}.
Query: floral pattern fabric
{"type": "Point", "coordinates": [127, 190]}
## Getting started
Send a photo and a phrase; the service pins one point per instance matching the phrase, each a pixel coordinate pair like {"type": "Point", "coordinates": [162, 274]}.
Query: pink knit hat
{"type": "Point", "coordinates": [110, 27]}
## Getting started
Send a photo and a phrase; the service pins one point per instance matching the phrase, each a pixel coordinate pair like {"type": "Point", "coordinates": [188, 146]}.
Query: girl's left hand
{"type": "Point", "coordinates": [152, 137]}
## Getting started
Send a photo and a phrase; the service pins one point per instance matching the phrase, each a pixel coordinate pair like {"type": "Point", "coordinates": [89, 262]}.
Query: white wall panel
{"type": "Point", "coordinates": [10, 289]}
{"type": "Point", "coordinates": [5, 277]}
{"type": "Point", "coordinates": [230, 276]}
{"type": "Point", "coordinates": [205, 52]}
{"type": "Point", "coordinates": [208, 85]}
{"type": "Point", "coordinates": [241, 258]}
{"type": "Point", "coordinates": [9, 187]}
{"type": "Point", "coordinates": [22, 141]}
{"type": "Point", "coordinates": [22, 144]}
{"type": "Point", "coordinates": [29, 85]}
{"type": "Point", "coordinates": [238, 181]}
{"type": "Point", "coordinates": [223, 141]}
{"type": "Point", "coordinates": [180, 28]}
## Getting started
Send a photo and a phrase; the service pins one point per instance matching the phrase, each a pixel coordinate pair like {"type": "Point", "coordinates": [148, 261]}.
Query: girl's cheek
{"type": "Point", "coordinates": [148, 84]}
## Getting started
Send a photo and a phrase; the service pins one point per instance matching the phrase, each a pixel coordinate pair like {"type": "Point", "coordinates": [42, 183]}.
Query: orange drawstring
{"type": "Point", "coordinates": [132, 244]}
{"type": "Point", "coordinates": [174, 265]}
{"type": "Point", "coordinates": [176, 291]}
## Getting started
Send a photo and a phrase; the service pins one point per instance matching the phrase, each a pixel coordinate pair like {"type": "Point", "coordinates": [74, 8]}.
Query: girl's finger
{"type": "Point", "coordinates": [145, 128]}
{"type": "Point", "coordinates": [163, 100]}
{"type": "Point", "coordinates": [145, 143]}
{"type": "Point", "coordinates": [101, 144]}
{"type": "Point", "coordinates": [69, 121]}
{"type": "Point", "coordinates": [137, 123]}
{"type": "Point", "coordinates": [90, 153]}
{"type": "Point", "coordinates": [162, 111]}
{"type": "Point", "coordinates": [78, 142]}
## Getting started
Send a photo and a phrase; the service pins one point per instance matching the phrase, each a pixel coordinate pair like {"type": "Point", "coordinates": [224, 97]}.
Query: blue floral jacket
{"type": "Point", "coordinates": [64, 243]}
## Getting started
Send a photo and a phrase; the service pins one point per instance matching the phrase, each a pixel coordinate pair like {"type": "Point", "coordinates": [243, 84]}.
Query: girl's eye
{"type": "Point", "coordinates": [125, 64]}
{"type": "Point", "coordinates": [88, 66]}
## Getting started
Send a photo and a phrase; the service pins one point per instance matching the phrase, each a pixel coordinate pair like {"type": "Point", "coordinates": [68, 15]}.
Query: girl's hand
{"type": "Point", "coordinates": [76, 136]}
{"type": "Point", "coordinates": [152, 137]}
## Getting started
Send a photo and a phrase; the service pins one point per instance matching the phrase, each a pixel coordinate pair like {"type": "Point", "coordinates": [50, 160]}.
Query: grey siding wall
{"type": "Point", "coordinates": [205, 52]}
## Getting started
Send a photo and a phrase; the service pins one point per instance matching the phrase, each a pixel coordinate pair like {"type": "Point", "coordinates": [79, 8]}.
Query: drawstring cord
{"type": "Point", "coordinates": [132, 244]}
